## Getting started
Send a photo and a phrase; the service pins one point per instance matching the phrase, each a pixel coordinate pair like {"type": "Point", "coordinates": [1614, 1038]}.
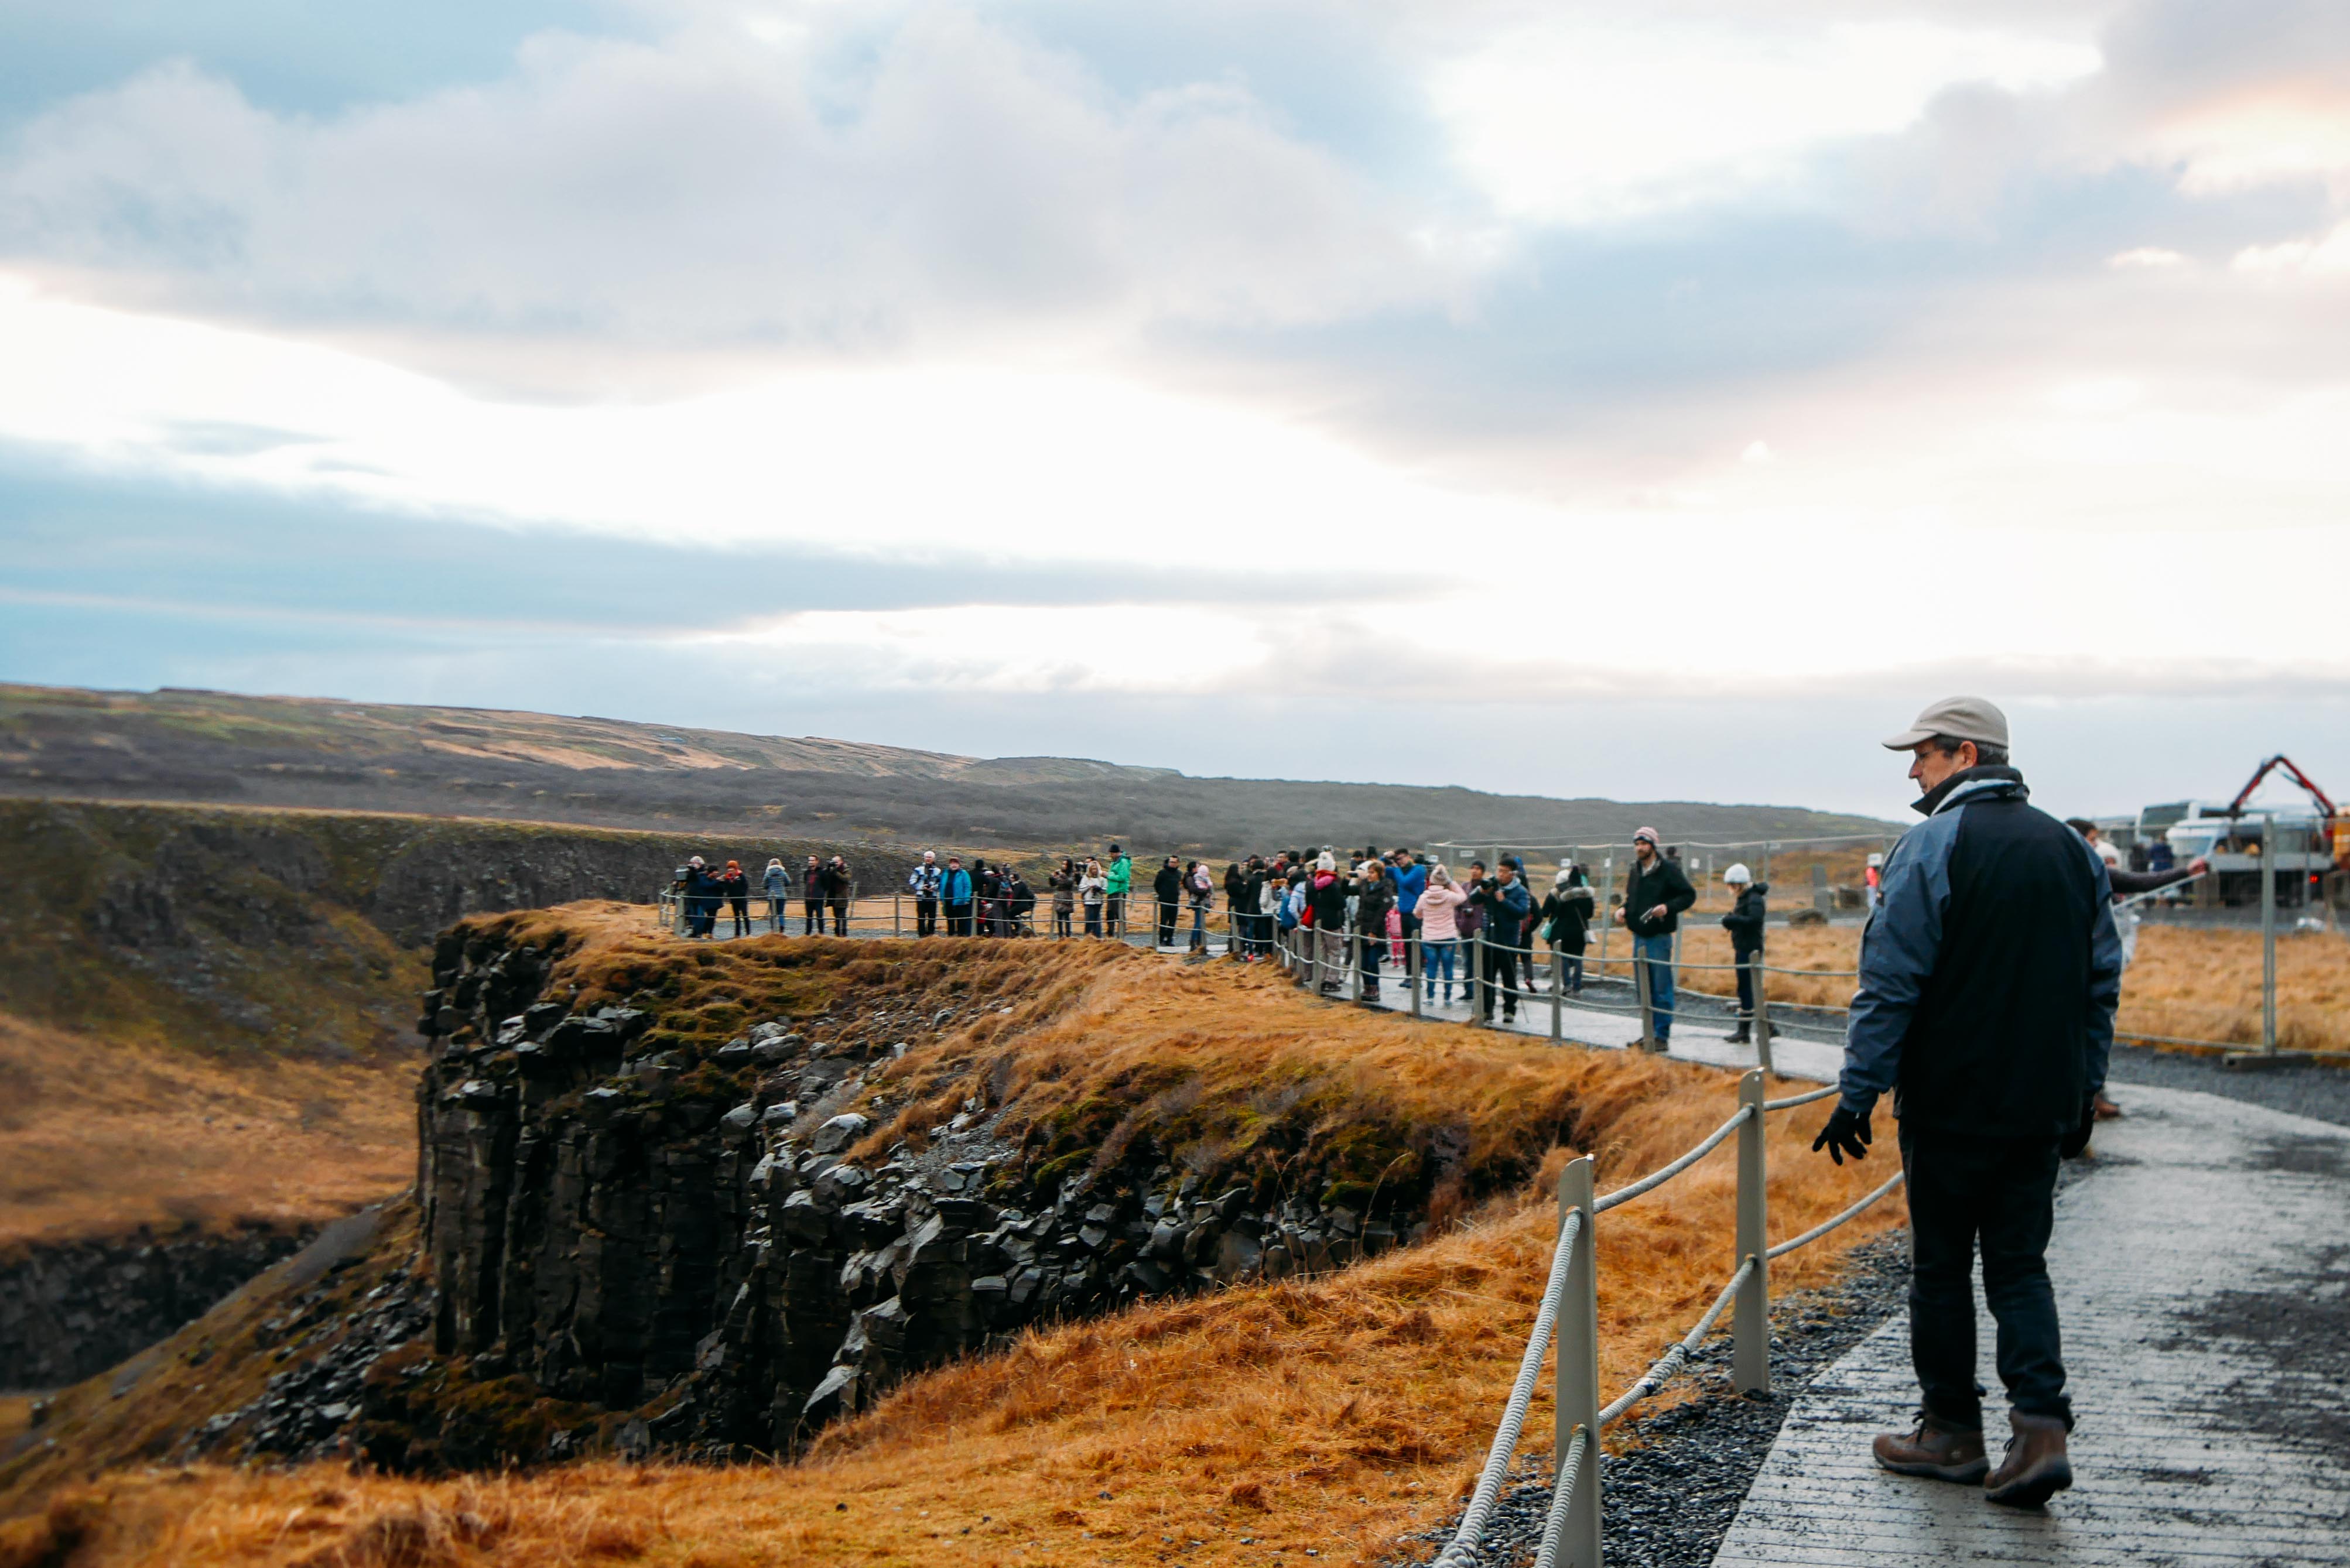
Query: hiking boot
{"type": "Point", "coordinates": [2106, 1110]}
{"type": "Point", "coordinates": [2035, 1467]}
{"type": "Point", "coordinates": [1936, 1450]}
{"type": "Point", "coordinates": [1741, 1035]}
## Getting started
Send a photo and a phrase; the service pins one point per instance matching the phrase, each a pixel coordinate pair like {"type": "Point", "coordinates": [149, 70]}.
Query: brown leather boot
{"type": "Point", "coordinates": [2035, 1467]}
{"type": "Point", "coordinates": [1936, 1451]}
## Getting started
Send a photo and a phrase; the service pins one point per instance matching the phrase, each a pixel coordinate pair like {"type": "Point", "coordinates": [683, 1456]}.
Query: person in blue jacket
{"type": "Point", "coordinates": [776, 883]}
{"type": "Point", "coordinates": [1410, 879]}
{"type": "Point", "coordinates": [955, 892]}
{"type": "Point", "coordinates": [1989, 975]}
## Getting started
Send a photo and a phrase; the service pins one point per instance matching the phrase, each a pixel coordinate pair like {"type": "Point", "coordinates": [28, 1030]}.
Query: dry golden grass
{"type": "Point", "coordinates": [98, 1137]}
{"type": "Point", "coordinates": [2186, 983]}
{"type": "Point", "coordinates": [2206, 985]}
{"type": "Point", "coordinates": [1334, 1413]}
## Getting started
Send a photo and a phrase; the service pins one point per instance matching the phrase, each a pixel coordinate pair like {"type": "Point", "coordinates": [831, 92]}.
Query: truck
{"type": "Point", "coordinates": [2310, 843]}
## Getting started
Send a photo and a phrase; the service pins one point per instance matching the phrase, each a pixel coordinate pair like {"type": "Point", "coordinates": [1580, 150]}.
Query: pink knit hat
{"type": "Point", "coordinates": [1647, 832]}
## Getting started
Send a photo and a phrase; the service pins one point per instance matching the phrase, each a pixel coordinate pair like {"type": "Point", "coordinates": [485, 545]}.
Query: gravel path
{"type": "Point", "coordinates": [2319, 1092]}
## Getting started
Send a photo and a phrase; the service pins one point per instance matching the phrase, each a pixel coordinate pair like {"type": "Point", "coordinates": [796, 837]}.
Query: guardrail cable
{"type": "Point", "coordinates": [1816, 1232]}
{"type": "Point", "coordinates": [1463, 1546]}
{"type": "Point", "coordinates": [1562, 1499]}
{"type": "Point", "coordinates": [1663, 1174]}
{"type": "Point", "coordinates": [1792, 1101]}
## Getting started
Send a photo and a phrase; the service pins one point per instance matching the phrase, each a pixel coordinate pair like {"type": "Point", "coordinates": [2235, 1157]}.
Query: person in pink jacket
{"type": "Point", "coordinates": [1439, 931]}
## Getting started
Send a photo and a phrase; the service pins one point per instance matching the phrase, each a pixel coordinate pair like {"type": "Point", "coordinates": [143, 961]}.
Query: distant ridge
{"type": "Point", "coordinates": [186, 744]}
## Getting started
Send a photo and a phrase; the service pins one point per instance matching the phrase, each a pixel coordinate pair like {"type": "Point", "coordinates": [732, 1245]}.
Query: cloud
{"type": "Point", "coordinates": [724, 185]}
{"type": "Point", "coordinates": [1583, 120]}
{"type": "Point", "coordinates": [2328, 255]}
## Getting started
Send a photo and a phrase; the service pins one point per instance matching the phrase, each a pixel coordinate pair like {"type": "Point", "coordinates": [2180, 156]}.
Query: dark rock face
{"type": "Point", "coordinates": [682, 1233]}
{"type": "Point", "coordinates": [71, 1311]}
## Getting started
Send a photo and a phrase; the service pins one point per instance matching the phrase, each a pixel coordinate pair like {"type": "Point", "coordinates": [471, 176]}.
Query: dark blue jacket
{"type": "Point", "coordinates": [1990, 971]}
{"type": "Point", "coordinates": [1505, 909]}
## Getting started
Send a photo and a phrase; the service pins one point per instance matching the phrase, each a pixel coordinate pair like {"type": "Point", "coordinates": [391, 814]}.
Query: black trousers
{"type": "Point", "coordinates": [1501, 970]}
{"type": "Point", "coordinates": [958, 919]}
{"type": "Point", "coordinates": [840, 917]}
{"type": "Point", "coordinates": [1745, 981]}
{"type": "Point", "coordinates": [741, 908]}
{"type": "Point", "coordinates": [926, 917]}
{"type": "Point", "coordinates": [812, 917]}
{"type": "Point", "coordinates": [1166, 924]}
{"type": "Point", "coordinates": [1997, 1195]}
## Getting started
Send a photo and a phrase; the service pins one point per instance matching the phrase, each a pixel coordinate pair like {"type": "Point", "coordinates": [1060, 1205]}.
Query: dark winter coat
{"type": "Point", "coordinates": [1744, 921]}
{"type": "Point", "coordinates": [1505, 909]}
{"type": "Point", "coordinates": [1663, 882]}
{"type": "Point", "coordinates": [1990, 971]}
{"type": "Point", "coordinates": [1567, 914]}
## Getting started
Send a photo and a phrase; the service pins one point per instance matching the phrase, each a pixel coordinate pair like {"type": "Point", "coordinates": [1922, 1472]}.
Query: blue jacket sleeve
{"type": "Point", "coordinates": [2105, 980]}
{"type": "Point", "coordinates": [1897, 952]}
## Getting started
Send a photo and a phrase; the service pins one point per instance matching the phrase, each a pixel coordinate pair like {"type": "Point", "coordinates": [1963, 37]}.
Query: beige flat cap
{"type": "Point", "coordinates": [1975, 719]}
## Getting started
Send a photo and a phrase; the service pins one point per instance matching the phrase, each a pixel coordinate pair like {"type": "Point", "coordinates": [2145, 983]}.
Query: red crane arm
{"type": "Point", "coordinates": [2325, 803]}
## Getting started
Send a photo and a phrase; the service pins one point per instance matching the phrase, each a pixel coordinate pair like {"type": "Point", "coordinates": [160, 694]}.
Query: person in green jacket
{"type": "Point", "coordinates": [1121, 877]}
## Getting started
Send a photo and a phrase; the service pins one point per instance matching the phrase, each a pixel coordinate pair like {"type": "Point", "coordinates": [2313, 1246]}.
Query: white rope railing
{"type": "Point", "coordinates": [1657, 1178]}
{"type": "Point", "coordinates": [1513, 1415]}
{"type": "Point", "coordinates": [1816, 1232]}
{"type": "Point", "coordinates": [1660, 1372]}
{"type": "Point", "coordinates": [1565, 1543]}
{"type": "Point", "coordinates": [1562, 1499]}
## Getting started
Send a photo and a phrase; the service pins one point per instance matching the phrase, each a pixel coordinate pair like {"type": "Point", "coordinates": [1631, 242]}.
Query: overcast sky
{"type": "Point", "coordinates": [1656, 401]}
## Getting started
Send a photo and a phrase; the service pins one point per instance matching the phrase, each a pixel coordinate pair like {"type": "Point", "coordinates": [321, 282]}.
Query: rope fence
{"type": "Point", "coordinates": [1569, 1313]}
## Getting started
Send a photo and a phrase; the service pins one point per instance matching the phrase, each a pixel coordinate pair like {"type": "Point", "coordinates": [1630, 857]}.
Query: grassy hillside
{"type": "Point", "coordinates": [1332, 1412]}
{"type": "Point", "coordinates": [275, 751]}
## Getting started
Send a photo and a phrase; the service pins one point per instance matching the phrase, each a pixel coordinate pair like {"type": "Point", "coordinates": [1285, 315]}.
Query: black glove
{"type": "Point", "coordinates": [1845, 1134]}
{"type": "Point", "coordinates": [2071, 1145]}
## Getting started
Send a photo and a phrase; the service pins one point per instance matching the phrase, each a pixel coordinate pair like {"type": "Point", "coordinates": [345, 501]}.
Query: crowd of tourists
{"type": "Point", "coordinates": [1360, 912]}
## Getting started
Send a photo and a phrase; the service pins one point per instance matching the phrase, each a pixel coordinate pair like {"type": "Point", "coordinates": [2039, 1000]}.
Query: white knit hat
{"type": "Point", "coordinates": [1738, 873]}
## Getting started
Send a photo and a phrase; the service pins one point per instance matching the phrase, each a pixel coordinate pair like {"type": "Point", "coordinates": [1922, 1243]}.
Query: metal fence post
{"type": "Point", "coordinates": [1557, 995]}
{"type": "Point", "coordinates": [897, 918]}
{"type": "Point", "coordinates": [1355, 962]}
{"type": "Point", "coordinates": [1577, 1391]}
{"type": "Point", "coordinates": [1607, 896]}
{"type": "Point", "coordinates": [1762, 1014]}
{"type": "Point", "coordinates": [1480, 1010]}
{"type": "Point", "coordinates": [1750, 1350]}
{"type": "Point", "coordinates": [1640, 986]}
{"type": "Point", "coordinates": [1413, 961]}
{"type": "Point", "coordinates": [2268, 936]}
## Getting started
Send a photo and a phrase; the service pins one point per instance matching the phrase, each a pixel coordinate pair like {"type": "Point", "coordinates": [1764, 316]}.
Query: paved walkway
{"type": "Point", "coordinates": [1697, 1036]}
{"type": "Point", "coordinates": [2202, 1269]}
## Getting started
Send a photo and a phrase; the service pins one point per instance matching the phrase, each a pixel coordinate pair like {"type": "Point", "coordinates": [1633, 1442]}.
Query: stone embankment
{"type": "Point", "coordinates": [684, 1233]}
{"type": "Point", "coordinates": [70, 1310]}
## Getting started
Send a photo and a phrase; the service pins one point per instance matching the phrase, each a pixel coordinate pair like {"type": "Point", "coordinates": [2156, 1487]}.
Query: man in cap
{"type": "Point", "coordinates": [924, 881]}
{"type": "Point", "coordinates": [1988, 978]}
{"type": "Point", "coordinates": [1654, 896]}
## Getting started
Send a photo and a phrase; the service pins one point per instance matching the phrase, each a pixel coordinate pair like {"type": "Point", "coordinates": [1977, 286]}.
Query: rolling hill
{"type": "Point", "coordinates": [186, 745]}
